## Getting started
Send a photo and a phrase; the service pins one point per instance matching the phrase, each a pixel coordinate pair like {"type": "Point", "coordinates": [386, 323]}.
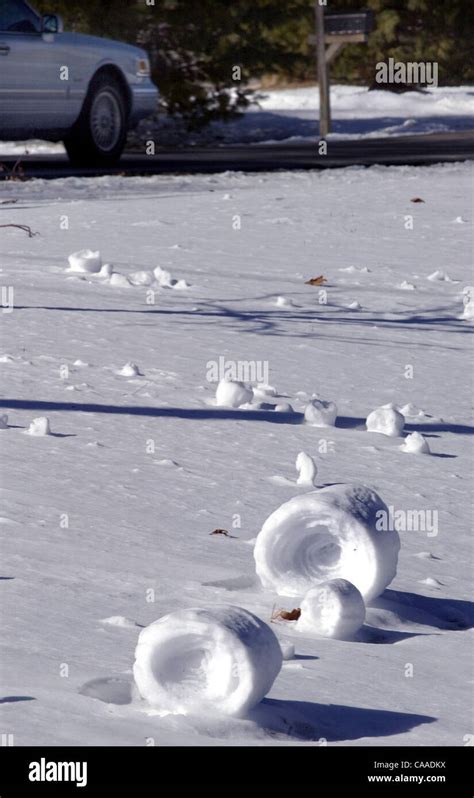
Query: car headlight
{"type": "Point", "coordinates": [143, 67]}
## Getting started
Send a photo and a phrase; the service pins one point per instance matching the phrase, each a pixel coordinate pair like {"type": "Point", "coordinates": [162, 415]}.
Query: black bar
{"type": "Point", "coordinates": [315, 770]}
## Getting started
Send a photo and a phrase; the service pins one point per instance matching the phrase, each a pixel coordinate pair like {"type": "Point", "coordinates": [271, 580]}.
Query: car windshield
{"type": "Point", "coordinates": [17, 17]}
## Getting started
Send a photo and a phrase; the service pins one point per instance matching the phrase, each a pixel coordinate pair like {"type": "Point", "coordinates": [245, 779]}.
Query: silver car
{"type": "Point", "coordinates": [69, 87]}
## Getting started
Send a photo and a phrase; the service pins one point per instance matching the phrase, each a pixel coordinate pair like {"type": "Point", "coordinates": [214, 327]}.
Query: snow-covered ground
{"type": "Point", "coordinates": [106, 522]}
{"type": "Point", "coordinates": [292, 115]}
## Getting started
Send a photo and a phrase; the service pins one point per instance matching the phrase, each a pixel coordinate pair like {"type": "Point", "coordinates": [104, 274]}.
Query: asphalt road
{"type": "Point", "coordinates": [412, 150]}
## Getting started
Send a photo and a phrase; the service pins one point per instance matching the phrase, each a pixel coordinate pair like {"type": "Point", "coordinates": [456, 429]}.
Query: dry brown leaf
{"type": "Point", "coordinates": [287, 615]}
{"type": "Point", "coordinates": [316, 280]}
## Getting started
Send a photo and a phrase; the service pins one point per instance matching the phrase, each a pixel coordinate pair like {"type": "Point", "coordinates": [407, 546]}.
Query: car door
{"type": "Point", "coordinates": [33, 93]}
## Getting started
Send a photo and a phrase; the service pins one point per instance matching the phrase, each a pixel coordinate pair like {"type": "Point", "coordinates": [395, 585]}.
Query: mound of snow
{"type": "Point", "coordinates": [7, 359]}
{"type": "Point", "coordinates": [333, 609]}
{"type": "Point", "coordinates": [406, 286]}
{"type": "Point", "coordinates": [230, 393]}
{"type": "Point", "coordinates": [283, 302]}
{"type": "Point", "coordinates": [119, 281]}
{"type": "Point", "coordinates": [306, 469]}
{"type": "Point", "coordinates": [411, 411]}
{"type": "Point", "coordinates": [85, 261]}
{"type": "Point", "coordinates": [415, 444]}
{"type": "Point", "coordinates": [4, 421]}
{"type": "Point", "coordinates": [141, 278]}
{"type": "Point", "coordinates": [39, 427]}
{"type": "Point", "coordinates": [327, 534]}
{"type": "Point", "coordinates": [120, 621]}
{"type": "Point", "coordinates": [220, 659]}
{"type": "Point", "coordinates": [468, 312]}
{"type": "Point", "coordinates": [440, 276]}
{"type": "Point", "coordinates": [386, 420]}
{"type": "Point", "coordinates": [354, 305]}
{"type": "Point", "coordinates": [129, 370]}
{"type": "Point", "coordinates": [320, 413]}
{"type": "Point", "coordinates": [287, 650]}
{"type": "Point", "coordinates": [284, 407]}
{"type": "Point", "coordinates": [162, 277]}
{"type": "Point", "coordinates": [106, 271]}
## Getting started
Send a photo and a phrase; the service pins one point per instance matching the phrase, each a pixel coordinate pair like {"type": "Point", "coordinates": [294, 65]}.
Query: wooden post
{"type": "Point", "coordinates": [323, 78]}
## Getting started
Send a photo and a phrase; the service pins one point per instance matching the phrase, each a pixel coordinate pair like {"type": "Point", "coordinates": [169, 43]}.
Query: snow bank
{"type": "Point", "coordinates": [319, 413]}
{"type": "Point", "coordinates": [230, 393]}
{"type": "Point", "coordinates": [217, 659]}
{"type": "Point", "coordinates": [386, 420]}
{"type": "Point", "coordinates": [85, 261]}
{"type": "Point", "coordinates": [327, 534]}
{"type": "Point", "coordinates": [306, 470]}
{"type": "Point", "coordinates": [333, 609]}
{"type": "Point", "coordinates": [415, 444]}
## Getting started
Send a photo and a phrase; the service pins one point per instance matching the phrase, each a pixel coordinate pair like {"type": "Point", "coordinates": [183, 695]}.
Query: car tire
{"type": "Point", "coordinates": [98, 137]}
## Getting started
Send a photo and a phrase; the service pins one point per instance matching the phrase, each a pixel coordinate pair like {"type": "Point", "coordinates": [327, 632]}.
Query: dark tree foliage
{"type": "Point", "coordinates": [204, 52]}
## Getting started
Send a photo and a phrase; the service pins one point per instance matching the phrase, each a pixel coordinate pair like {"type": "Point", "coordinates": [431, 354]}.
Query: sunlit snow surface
{"type": "Point", "coordinates": [110, 515]}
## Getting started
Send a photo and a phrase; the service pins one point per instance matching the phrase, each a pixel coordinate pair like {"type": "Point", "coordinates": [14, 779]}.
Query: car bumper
{"type": "Point", "coordinates": [144, 102]}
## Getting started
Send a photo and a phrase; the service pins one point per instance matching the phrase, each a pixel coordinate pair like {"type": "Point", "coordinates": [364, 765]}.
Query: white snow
{"type": "Point", "coordinates": [415, 444]}
{"type": "Point", "coordinates": [4, 421]}
{"type": "Point", "coordinates": [129, 370]}
{"type": "Point", "coordinates": [137, 543]}
{"type": "Point", "coordinates": [320, 413]}
{"type": "Point", "coordinates": [386, 420]}
{"type": "Point", "coordinates": [216, 659]}
{"type": "Point", "coordinates": [327, 534]}
{"type": "Point", "coordinates": [39, 427]}
{"type": "Point", "coordinates": [232, 393]}
{"type": "Point", "coordinates": [333, 609]}
{"type": "Point", "coordinates": [306, 469]}
{"type": "Point", "coordinates": [85, 261]}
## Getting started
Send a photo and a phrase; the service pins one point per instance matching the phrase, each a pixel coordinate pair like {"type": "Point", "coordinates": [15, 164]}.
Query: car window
{"type": "Point", "coordinates": [17, 17]}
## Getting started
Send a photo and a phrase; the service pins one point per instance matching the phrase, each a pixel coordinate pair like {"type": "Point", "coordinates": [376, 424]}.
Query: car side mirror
{"type": "Point", "coordinates": [51, 23]}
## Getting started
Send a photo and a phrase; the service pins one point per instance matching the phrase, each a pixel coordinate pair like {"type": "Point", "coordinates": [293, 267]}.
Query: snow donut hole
{"type": "Point", "coordinates": [333, 609]}
{"type": "Point", "coordinates": [85, 261]}
{"type": "Point", "coordinates": [220, 659]}
{"type": "Point", "coordinates": [327, 534]}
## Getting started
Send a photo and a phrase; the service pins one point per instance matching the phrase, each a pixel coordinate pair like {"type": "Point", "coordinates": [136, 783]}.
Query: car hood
{"type": "Point", "coordinates": [103, 45]}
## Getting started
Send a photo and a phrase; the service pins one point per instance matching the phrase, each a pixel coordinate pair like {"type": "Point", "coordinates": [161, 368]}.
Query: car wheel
{"type": "Point", "coordinates": [99, 135]}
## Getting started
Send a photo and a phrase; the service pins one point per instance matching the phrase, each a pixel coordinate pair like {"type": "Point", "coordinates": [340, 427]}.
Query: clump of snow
{"type": "Point", "coordinates": [142, 278]}
{"type": "Point", "coordinates": [85, 261]}
{"type": "Point", "coordinates": [7, 359]}
{"type": "Point", "coordinates": [407, 286]}
{"type": "Point", "coordinates": [119, 281]}
{"type": "Point", "coordinates": [119, 620]}
{"type": "Point", "coordinates": [440, 276]}
{"type": "Point", "coordinates": [4, 421]}
{"type": "Point", "coordinates": [415, 444]}
{"type": "Point", "coordinates": [307, 470]}
{"type": "Point", "coordinates": [320, 413]}
{"type": "Point", "coordinates": [468, 311]}
{"type": "Point", "coordinates": [231, 393]}
{"type": "Point", "coordinates": [180, 285]}
{"type": "Point", "coordinates": [354, 305]}
{"type": "Point", "coordinates": [80, 363]}
{"type": "Point", "coordinates": [39, 427]}
{"type": "Point", "coordinates": [162, 277]}
{"type": "Point", "coordinates": [287, 650]}
{"type": "Point", "coordinates": [355, 270]}
{"type": "Point", "coordinates": [264, 390]}
{"type": "Point", "coordinates": [327, 534]}
{"type": "Point", "coordinates": [129, 370]}
{"type": "Point", "coordinates": [283, 302]}
{"type": "Point", "coordinates": [107, 270]}
{"type": "Point", "coordinates": [217, 659]}
{"type": "Point", "coordinates": [332, 609]}
{"type": "Point", "coordinates": [386, 420]}
{"type": "Point", "coordinates": [284, 407]}
{"type": "Point", "coordinates": [411, 411]}
{"type": "Point", "coordinates": [459, 220]}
